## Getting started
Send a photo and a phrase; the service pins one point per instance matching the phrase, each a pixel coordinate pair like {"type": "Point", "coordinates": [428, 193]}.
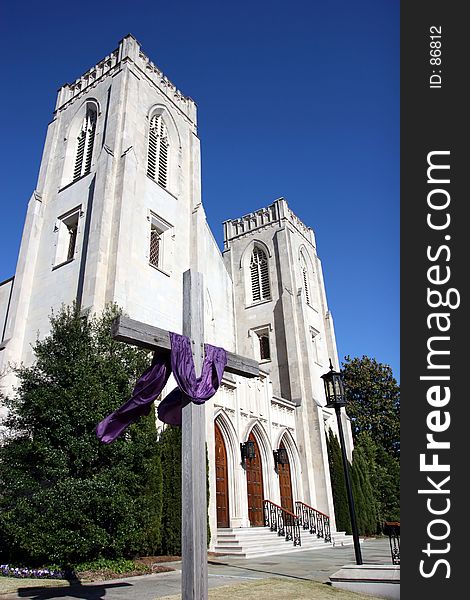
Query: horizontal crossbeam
{"type": "Point", "coordinates": [150, 337]}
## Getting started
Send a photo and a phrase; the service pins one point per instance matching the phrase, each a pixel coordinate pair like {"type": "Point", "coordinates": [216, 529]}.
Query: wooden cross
{"type": "Point", "coordinates": [194, 497]}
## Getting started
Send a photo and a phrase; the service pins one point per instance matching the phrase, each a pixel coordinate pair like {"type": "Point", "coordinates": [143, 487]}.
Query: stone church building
{"type": "Point", "coordinates": [117, 216]}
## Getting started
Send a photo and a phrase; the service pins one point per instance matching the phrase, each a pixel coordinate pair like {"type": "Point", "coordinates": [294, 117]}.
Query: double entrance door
{"type": "Point", "coordinates": [254, 484]}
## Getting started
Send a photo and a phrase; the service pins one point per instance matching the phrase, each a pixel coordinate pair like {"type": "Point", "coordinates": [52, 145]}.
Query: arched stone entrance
{"type": "Point", "coordinates": [254, 484]}
{"type": "Point", "coordinates": [221, 479]}
{"type": "Point", "coordinates": [285, 483]}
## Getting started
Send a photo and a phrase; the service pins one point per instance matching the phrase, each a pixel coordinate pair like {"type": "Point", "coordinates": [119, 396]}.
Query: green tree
{"type": "Point", "coordinates": [373, 405]}
{"type": "Point", "coordinates": [388, 486]}
{"type": "Point", "coordinates": [169, 445]}
{"type": "Point", "coordinates": [66, 497]}
{"type": "Point", "coordinates": [338, 485]}
{"type": "Point", "coordinates": [373, 401]}
{"type": "Point", "coordinates": [365, 501]}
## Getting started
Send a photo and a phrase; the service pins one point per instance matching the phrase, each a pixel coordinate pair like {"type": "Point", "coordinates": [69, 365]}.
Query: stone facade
{"type": "Point", "coordinates": [100, 229]}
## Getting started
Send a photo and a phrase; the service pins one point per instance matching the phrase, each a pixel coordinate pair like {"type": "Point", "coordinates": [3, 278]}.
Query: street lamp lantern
{"type": "Point", "coordinates": [334, 388]}
{"type": "Point", "coordinates": [280, 457]}
{"type": "Point", "coordinates": [336, 398]}
{"type": "Point", "coordinates": [247, 450]}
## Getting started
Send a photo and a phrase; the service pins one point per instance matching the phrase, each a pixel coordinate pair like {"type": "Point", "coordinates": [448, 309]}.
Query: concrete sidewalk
{"type": "Point", "coordinates": [315, 565]}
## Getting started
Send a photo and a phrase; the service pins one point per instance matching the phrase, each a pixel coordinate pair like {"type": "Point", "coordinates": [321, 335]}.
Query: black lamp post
{"type": "Point", "coordinates": [336, 399]}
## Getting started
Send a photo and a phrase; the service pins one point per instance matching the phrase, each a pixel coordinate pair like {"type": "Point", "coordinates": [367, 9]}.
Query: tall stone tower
{"type": "Point", "coordinates": [282, 317]}
{"type": "Point", "coordinates": [113, 215]}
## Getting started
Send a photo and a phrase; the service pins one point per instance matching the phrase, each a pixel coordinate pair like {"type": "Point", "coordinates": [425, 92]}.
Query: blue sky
{"type": "Point", "coordinates": [297, 99]}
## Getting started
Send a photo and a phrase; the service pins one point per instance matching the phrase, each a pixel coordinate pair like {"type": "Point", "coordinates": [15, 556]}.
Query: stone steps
{"type": "Point", "coordinates": [251, 542]}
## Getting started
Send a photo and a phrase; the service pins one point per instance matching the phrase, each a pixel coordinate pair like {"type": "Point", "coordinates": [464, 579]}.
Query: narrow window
{"type": "Point", "coordinates": [315, 336]}
{"type": "Point", "coordinates": [157, 167]}
{"type": "Point", "coordinates": [72, 229]}
{"type": "Point", "coordinates": [66, 230]}
{"type": "Point", "coordinates": [155, 241]}
{"type": "Point", "coordinates": [85, 141]}
{"type": "Point", "coordinates": [264, 349]}
{"type": "Point", "coordinates": [262, 342]}
{"type": "Point", "coordinates": [259, 270]}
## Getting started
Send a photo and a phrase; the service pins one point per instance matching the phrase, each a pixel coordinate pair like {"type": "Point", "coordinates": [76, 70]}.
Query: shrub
{"type": "Point", "coordinates": [66, 497]}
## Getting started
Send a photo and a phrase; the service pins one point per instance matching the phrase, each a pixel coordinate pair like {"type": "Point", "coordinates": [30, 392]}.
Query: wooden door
{"type": "Point", "coordinates": [254, 484]}
{"type": "Point", "coordinates": [285, 485]}
{"type": "Point", "coordinates": [221, 479]}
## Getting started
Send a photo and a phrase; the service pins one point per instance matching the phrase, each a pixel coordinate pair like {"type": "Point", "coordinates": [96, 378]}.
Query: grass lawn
{"type": "Point", "coordinates": [279, 589]}
{"type": "Point", "coordinates": [11, 584]}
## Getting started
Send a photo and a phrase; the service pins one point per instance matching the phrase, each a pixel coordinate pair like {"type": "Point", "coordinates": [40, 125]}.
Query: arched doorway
{"type": "Point", "coordinates": [285, 482]}
{"type": "Point", "coordinates": [254, 484]}
{"type": "Point", "coordinates": [221, 479]}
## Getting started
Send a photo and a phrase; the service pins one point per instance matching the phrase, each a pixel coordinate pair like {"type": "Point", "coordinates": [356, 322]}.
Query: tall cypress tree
{"type": "Point", "coordinates": [66, 497]}
{"type": "Point", "coordinates": [338, 484]}
{"type": "Point", "coordinates": [170, 455]}
{"type": "Point", "coordinates": [169, 445]}
{"type": "Point", "coordinates": [364, 497]}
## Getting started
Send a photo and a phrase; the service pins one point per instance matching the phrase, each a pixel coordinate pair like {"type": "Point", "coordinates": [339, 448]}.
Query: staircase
{"type": "Point", "coordinates": [251, 542]}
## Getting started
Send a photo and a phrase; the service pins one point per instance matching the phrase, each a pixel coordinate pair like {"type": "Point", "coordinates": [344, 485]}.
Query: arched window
{"type": "Point", "coordinates": [157, 168]}
{"type": "Point", "coordinates": [259, 270]}
{"type": "Point", "coordinates": [85, 141]}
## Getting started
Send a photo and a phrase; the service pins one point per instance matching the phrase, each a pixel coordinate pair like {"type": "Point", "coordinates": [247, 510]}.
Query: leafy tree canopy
{"type": "Point", "coordinates": [373, 401]}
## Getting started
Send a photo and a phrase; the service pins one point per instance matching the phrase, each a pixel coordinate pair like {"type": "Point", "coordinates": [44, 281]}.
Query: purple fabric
{"type": "Point", "coordinates": [198, 389]}
{"type": "Point", "coordinates": [170, 409]}
{"type": "Point", "coordinates": [152, 382]}
{"type": "Point", "coordinates": [148, 387]}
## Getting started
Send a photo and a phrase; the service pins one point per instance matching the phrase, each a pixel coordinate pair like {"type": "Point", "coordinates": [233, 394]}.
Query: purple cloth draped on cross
{"type": "Point", "coordinates": [153, 380]}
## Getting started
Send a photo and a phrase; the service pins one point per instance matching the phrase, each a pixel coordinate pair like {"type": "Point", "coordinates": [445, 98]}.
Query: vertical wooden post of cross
{"type": "Point", "coordinates": [194, 477]}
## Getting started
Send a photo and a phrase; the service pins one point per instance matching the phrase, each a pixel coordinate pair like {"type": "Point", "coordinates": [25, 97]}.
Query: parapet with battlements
{"type": "Point", "coordinates": [277, 213]}
{"type": "Point", "coordinates": [128, 50]}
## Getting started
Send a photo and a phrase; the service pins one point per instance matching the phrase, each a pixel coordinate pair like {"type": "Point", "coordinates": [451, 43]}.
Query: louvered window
{"type": "Point", "coordinates": [155, 246]}
{"type": "Point", "coordinates": [86, 139]}
{"type": "Point", "coordinates": [157, 167]}
{"type": "Point", "coordinates": [259, 270]}
{"type": "Point", "coordinates": [305, 278]}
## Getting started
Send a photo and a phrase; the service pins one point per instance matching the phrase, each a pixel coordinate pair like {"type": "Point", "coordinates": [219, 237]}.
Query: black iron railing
{"type": "Point", "coordinates": [313, 520]}
{"type": "Point", "coordinates": [392, 529]}
{"type": "Point", "coordinates": [283, 521]}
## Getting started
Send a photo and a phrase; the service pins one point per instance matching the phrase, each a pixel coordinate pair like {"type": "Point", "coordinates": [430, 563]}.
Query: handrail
{"type": "Point", "coordinates": [312, 508]}
{"type": "Point", "coordinates": [282, 508]}
{"type": "Point", "coordinates": [392, 529]}
{"type": "Point", "coordinates": [313, 520]}
{"type": "Point", "coordinates": [283, 521]}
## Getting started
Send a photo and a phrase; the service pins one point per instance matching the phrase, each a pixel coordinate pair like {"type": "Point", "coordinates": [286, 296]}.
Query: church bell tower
{"type": "Point", "coordinates": [118, 183]}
